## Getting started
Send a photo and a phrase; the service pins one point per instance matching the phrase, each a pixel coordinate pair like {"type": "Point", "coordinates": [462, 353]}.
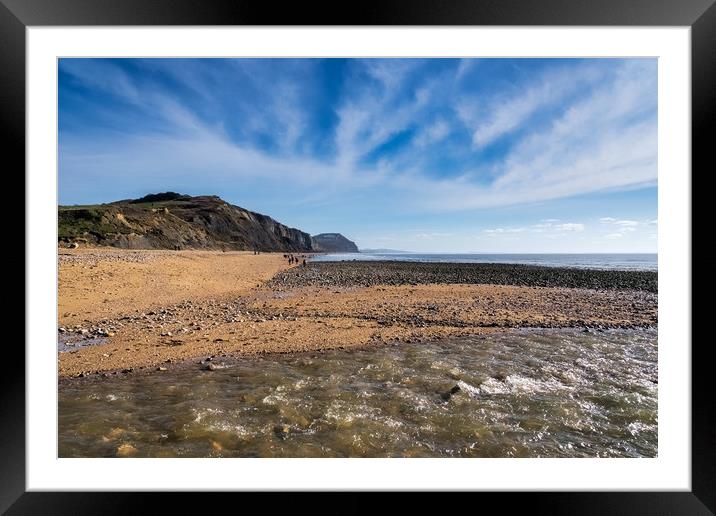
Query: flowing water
{"type": "Point", "coordinates": [526, 393]}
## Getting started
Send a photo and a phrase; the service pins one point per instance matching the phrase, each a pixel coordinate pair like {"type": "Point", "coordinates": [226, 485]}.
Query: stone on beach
{"type": "Point", "coordinates": [126, 450]}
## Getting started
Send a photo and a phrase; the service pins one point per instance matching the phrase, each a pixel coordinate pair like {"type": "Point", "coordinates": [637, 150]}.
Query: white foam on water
{"type": "Point", "coordinates": [275, 399]}
{"type": "Point", "coordinates": [391, 423]}
{"type": "Point", "coordinates": [528, 385]}
{"type": "Point", "coordinates": [517, 384]}
{"type": "Point", "coordinates": [441, 365]}
{"type": "Point", "coordinates": [416, 401]}
{"type": "Point", "coordinates": [215, 420]}
{"type": "Point", "coordinates": [300, 384]}
{"type": "Point", "coordinates": [470, 389]}
{"type": "Point", "coordinates": [224, 426]}
{"type": "Point", "coordinates": [342, 412]}
{"type": "Point", "coordinates": [202, 413]}
{"type": "Point", "coordinates": [637, 427]}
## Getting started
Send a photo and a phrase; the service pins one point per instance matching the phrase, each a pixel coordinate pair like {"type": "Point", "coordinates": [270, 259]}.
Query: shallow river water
{"type": "Point", "coordinates": [526, 393]}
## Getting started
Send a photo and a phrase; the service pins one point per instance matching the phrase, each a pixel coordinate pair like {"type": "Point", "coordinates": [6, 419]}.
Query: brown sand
{"type": "Point", "coordinates": [101, 283]}
{"type": "Point", "coordinates": [156, 308]}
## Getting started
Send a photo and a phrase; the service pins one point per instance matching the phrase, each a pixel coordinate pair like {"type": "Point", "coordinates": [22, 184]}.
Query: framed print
{"type": "Point", "coordinates": [420, 249]}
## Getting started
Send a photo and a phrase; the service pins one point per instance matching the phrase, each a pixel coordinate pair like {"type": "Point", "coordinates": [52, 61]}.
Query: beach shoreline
{"type": "Point", "coordinates": [153, 310]}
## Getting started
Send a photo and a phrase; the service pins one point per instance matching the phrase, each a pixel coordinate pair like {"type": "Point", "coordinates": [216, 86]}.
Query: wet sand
{"type": "Point", "coordinates": [151, 310]}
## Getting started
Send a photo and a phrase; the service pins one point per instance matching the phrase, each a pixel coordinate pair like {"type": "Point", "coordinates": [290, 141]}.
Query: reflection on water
{"type": "Point", "coordinates": [534, 393]}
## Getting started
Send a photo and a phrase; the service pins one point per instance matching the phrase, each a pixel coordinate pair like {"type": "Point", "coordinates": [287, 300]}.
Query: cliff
{"type": "Point", "coordinates": [174, 221]}
{"type": "Point", "coordinates": [333, 243]}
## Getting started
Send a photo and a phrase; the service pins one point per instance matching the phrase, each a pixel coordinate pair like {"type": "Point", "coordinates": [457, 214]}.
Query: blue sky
{"type": "Point", "coordinates": [431, 155]}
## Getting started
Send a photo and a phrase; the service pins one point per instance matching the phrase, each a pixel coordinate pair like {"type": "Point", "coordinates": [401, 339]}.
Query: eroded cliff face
{"type": "Point", "coordinates": [333, 243]}
{"type": "Point", "coordinates": [174, 221]}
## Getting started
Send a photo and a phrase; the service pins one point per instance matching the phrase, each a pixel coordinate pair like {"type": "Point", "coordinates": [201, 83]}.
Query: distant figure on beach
{"type": "Point", "coordinates": [304, 261]}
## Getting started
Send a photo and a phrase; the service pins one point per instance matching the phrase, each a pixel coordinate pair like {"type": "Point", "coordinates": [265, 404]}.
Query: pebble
{"type": "Point", "coordinates": [352, 274]}
{"type": "Point", "coordinates": [281, 431]}
{"type": "Point", "coordinates": [447, 395]}
{"type": "Point", "coordinates": [126, 450]}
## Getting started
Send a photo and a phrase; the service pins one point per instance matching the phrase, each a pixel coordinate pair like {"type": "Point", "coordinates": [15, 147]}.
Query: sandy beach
{"type": "Point", "coordinates": [125, 312]}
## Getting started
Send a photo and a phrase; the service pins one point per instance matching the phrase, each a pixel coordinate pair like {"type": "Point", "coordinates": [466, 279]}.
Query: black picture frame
{"type": "Point", "coordinates": [700, 15]}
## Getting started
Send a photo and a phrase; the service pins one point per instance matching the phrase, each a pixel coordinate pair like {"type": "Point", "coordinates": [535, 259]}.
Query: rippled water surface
{"type": "Point", "coordinates": [625, 261]}
{"type": "Point", "coordinates": [526, 393]}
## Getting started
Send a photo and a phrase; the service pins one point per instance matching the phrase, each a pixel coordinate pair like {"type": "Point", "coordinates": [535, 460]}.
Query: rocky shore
{"type": "Point", "coordinates": [366, 274]}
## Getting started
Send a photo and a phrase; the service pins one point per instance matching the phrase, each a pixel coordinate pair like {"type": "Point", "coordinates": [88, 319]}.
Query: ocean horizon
{"type": "Point", "coordinates": [612, 261]}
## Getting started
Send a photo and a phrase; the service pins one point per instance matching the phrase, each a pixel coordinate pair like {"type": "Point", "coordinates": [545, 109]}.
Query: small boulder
{"type": "Point", "coordinates": [126, 450]}
{"type": "Point", "coordinates": [448, 394]}
{"type": "Point", "coordinates": [281, 431]}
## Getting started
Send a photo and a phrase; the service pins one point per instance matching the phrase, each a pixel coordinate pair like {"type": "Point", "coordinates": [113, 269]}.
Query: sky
{"type": "Point", "coordinates": [424, 155]}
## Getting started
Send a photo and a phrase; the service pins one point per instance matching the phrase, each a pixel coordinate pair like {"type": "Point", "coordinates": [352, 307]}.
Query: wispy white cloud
{"type": "Point", "coordinates": [490, 119]}
{"type": "Point", "coordinates": [104, 76]}
{"type": "Point", "coordinates": [570, 226]}
{"type": "Point", "coordinates": [369, 118]}
{"type": "Point", "coordinates": [433, 235]}
{"type": "Point", "coordinates": [596, 144]}
{"type": "Point", "coordinates": [621, 223]}
{"type": "Point", "coordinates": [499, 231]}
{"type": "Point", "coordinates": [603, 139]}
{"type": "Point", "coordinates": [466, 66]}
{"type": "Point", "coordinates": [542, 227]}
{"type": "Point", "coordinates": [619, 228]}
{"type": "Point", "coordinates": [509, 116]}
{"type": "Point", "coordinates": [432, 133]}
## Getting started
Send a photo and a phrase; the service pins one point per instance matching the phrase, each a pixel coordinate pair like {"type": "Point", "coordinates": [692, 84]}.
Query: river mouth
{"type": "Point", "coordinates": [523, 393]}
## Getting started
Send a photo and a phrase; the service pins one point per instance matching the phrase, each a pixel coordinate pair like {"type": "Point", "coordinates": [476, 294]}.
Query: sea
{"type": "Point", "coordinates": [641, 262]}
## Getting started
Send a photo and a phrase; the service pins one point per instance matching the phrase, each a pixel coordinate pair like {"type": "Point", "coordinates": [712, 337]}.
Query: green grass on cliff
{"type": "Point", "coordinates": [76, 221]}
